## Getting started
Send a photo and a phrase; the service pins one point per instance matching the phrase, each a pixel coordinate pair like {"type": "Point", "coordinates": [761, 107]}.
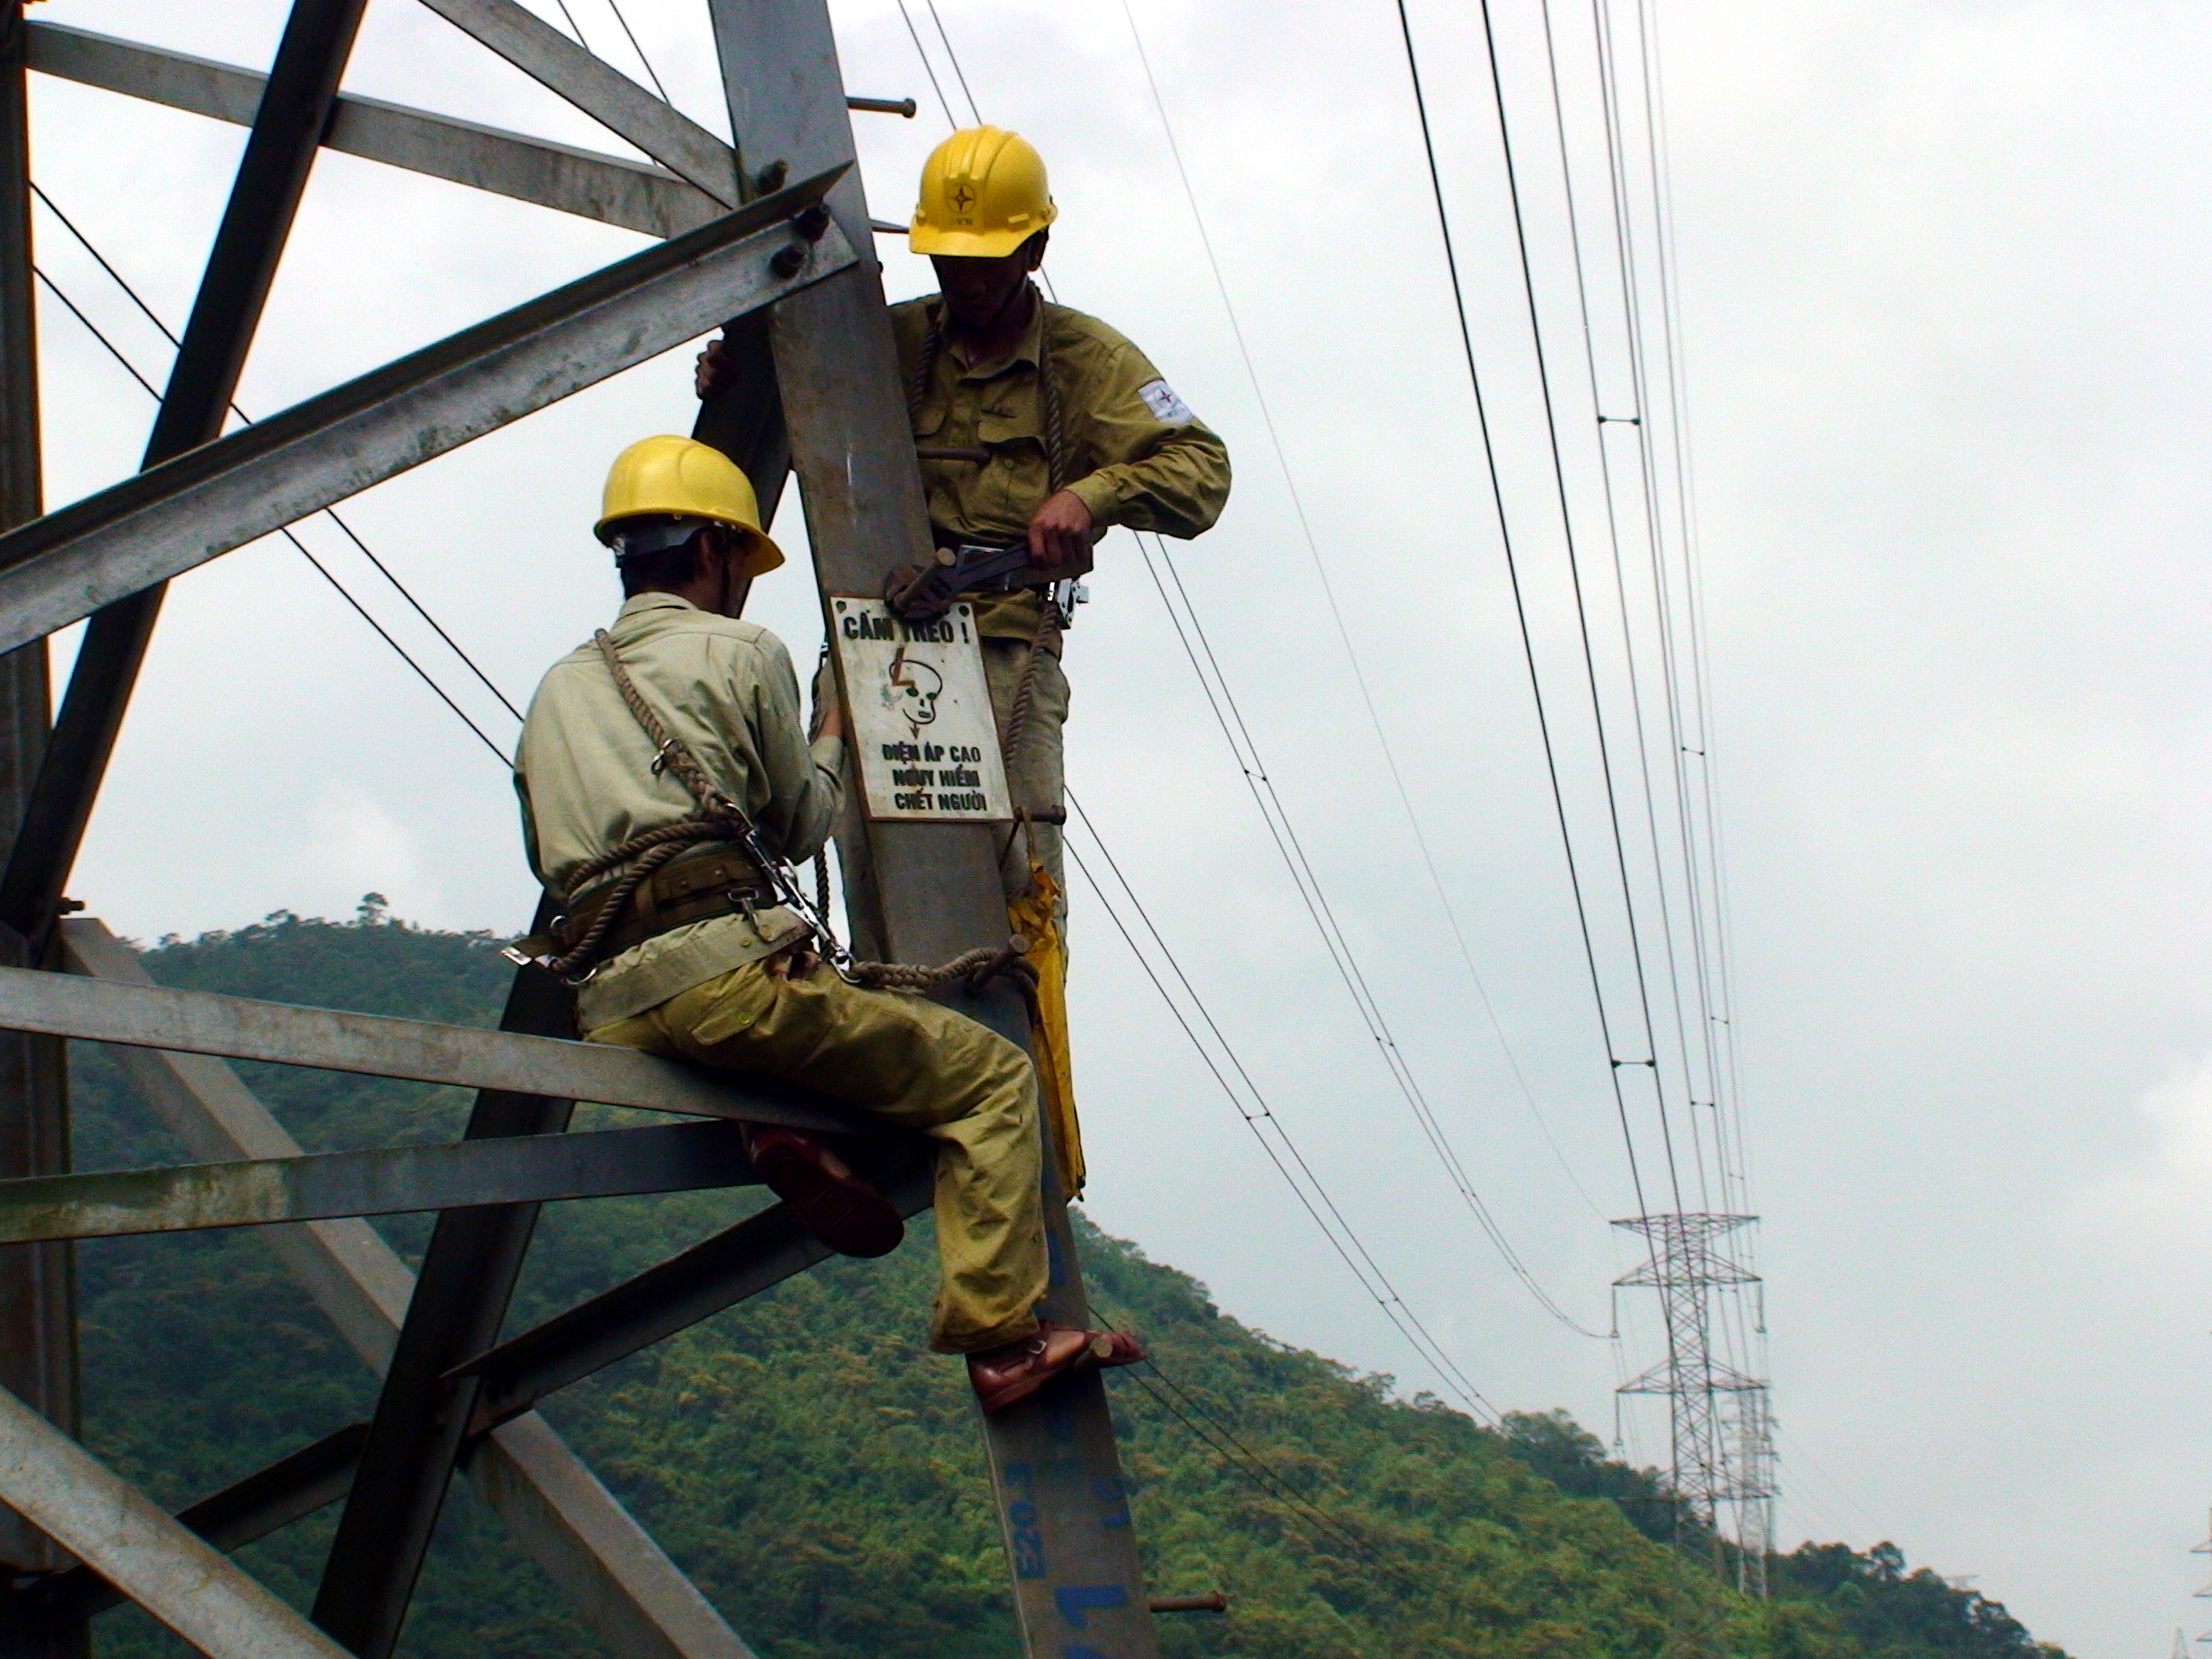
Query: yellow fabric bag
{"type": "Point", "coordinates": [1035, 916]}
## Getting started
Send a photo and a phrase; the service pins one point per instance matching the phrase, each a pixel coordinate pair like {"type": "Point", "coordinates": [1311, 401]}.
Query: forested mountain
{"type": "Point", "coordinates": [821, 1475]}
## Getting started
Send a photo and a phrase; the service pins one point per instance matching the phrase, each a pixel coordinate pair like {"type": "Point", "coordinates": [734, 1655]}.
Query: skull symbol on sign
{"type": "Point", "coordinates": [913, 691]}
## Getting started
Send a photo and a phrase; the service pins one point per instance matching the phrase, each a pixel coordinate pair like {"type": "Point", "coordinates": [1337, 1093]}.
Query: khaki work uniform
{"type": "Point", "coordinates": [1130, 451]}
{"type": "Point", "coordinates": [702, 992]}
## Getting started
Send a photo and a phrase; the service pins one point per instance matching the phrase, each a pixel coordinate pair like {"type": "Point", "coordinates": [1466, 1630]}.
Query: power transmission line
{"type": "Point", "coordinates": [614, 6]}
{"type": "Point", "coordinates": [332, 513]}
{"type": "Point", "coordinates": [1384, 746]}
{"type": "Point", "coordinates": [953, 57]}
{"type": "Point", "coordinates": [301, 547]}
{"type": "Point", "coordinates": [927, 68]}
{"type": "Point", "coordinates": [1521, 615]}
{"type": "Point", "coordinates": [1260, 1117]}
{"type": "Point", "coordinates": [1272, 811]}
{"type": "Point", "coordinates": [1222, 701]}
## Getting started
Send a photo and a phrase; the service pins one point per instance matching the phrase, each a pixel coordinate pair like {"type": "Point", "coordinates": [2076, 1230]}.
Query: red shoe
{"type": "Point", "coordinates": [1004, 1375]}
{"type": "Point", "coordinates": [834, 1204]}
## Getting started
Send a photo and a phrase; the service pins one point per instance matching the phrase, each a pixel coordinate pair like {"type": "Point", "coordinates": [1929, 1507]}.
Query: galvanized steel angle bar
{"type": "Point", "coordinates": [135, 1544]}
{"type": "Point", "coordinates": [622, 1584]}
{"type": "Point", "coordinates": [925, 891]}
{"type": "Point", "coordinates": [266, 1501]}
{"type": "Point", "coordinates": [612, 189]}
{"type": "Point", "coordinates": [468, 1271]}
{"type": "Point", "coordinates": [164, 521]}
{"type": "Point", "coordinates": [601, 91]}
{"type": "Point", "coordinates": [381, 1181]}
{"type": "Point", "coordinates": [375, 1045]}
{"type": "Point", "coordinates": [756, 1254]}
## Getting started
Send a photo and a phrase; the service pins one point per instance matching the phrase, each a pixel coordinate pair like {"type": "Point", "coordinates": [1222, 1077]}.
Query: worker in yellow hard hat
{"type": "Point", "coordinates": [667, 782]}
{"type": "Point", "coordinates": [1035, 424]}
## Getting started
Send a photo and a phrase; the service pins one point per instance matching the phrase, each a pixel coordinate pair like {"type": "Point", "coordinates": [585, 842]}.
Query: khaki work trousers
{"type": "Point", "coordinates": [912, 1062]}
{"type": "Point", "coordinates": [1036, 776]}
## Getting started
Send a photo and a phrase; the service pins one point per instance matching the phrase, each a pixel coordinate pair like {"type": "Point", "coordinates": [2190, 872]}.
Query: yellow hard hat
{"type": "Point", "coordinates": [682, 477]}
{"type": "Point", "coordinates": [983, 195]}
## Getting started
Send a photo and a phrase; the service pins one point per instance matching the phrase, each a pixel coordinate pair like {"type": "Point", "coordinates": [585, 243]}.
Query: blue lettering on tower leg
{"type": "Point", "coordinates": [1076, 1600]}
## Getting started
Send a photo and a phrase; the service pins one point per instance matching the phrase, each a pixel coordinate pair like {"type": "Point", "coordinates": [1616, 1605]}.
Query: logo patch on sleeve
{"type": "Point", "coordinates": [1159, 397]}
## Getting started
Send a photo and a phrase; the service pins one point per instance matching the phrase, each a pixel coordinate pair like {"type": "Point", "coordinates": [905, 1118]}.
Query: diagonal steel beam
{"type": "Point", "coordinates": [162, 522]}
{"type": "Point", "coordinates": [677, 1158]}
{"type": "Point", "coordinates": [623, 1585]}
{"type": "Point", "coordinates": [601, 91]}
{"type": "Point", "coordinates": [264, 197]}
{"type": "Point", "coordinates": [137, 1546]}
{"type": "Point", "coordinates": [267, 1500]}
{"type": "Point", "coordinates": [375, 1045]}
{"type": "Point", "coordinates": [634, 195]}
{"type": "Point", "coordinates": [756, 1254]}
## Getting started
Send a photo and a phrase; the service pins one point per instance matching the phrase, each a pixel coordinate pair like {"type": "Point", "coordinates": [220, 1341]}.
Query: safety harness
{"type": "Point", "coordinates": [729, 869]}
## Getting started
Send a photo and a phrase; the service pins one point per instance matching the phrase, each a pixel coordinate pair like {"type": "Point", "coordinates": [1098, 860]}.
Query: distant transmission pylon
{"type": "Point", "coordinates": [1722, 1423]}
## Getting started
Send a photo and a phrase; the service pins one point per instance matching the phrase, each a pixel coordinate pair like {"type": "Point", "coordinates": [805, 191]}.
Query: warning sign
{"type": "Point", "coordinates": [922, 735]}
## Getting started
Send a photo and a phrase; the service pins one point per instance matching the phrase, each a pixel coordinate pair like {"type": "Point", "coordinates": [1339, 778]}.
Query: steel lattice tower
{"type": "Point", "coordinates": [1722, 1437]}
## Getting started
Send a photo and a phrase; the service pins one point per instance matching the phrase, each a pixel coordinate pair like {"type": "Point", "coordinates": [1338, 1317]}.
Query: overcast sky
{"type": "Point", "coordinates": [1943, 290]}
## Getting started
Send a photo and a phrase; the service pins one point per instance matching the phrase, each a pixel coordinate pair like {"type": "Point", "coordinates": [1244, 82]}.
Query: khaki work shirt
{"type": "Point", "coordinates": [586, 777]}
{"type": "Point", "coordinates": [1132, 451]}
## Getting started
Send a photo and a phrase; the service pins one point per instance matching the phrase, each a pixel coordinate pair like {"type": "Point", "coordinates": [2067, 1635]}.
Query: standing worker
{"type": "Point", "coordinates": [666, 785]}
{"type": "Point", "coordinates": [1039, 426]}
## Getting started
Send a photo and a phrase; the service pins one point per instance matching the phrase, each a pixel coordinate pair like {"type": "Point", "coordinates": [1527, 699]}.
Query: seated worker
{"type": "Point", "coordinates": [649, 759]}
{"type": "Point", "coordinates": [1034, 423]}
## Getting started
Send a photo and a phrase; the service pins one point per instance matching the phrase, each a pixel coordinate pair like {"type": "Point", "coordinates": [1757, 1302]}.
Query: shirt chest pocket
{"type": "Point", "coordinates": [994, 430]}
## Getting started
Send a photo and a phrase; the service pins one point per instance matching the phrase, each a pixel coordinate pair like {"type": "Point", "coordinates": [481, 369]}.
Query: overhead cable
{"type": "Point", "coordinates": [54, 288]}
{"type": "Point", "coordinates": [927, 67]}
{"type": "Point", "coordinates": [651, 75]}
{"type": "Point", "coordinates": [332, 513]}
{"type": "Point", "coordinates": [1615, 1060]}
{"type": "Point", "coordinates": [1230, 717]}
{"type": "Point", "coordinates": [1251, 1105]}
{"type": "Point", "coordinates": [1384, 746]}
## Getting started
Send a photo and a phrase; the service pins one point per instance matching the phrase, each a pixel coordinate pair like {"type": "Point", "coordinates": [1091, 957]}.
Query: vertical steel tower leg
{"type": "Point", "coordinates": [37, 1287]}
{"type": "Point", "coordinates": [1078, 1587]}
{"type": "Point", "coordinates": [272, 176]}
